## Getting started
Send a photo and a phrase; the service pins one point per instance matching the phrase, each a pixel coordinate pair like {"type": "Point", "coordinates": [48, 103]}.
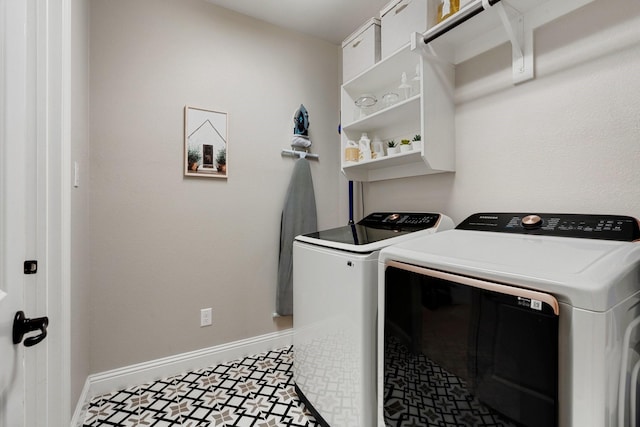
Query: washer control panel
{"type": "Point", "coordinates": [400, 220]}
{"type": "Point", "coordinates": [604, 227]}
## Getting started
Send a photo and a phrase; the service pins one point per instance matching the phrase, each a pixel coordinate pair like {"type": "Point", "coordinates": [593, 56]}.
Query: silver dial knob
{"type": "Point", "coordinates": [531, 221]}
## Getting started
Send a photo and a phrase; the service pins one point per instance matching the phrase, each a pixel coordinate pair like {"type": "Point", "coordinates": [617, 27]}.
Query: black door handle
{"type": "Point", "coordinates": [22, 326]}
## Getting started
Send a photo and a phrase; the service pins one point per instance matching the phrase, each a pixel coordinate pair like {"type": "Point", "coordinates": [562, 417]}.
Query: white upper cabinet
{"type": "Point", "coordinates": [425, 108]}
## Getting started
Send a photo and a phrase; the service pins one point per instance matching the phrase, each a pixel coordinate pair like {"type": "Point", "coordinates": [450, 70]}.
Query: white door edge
{"type": "Point", "coordinates": [55, 22]}
{"type": "Point", "coordinates": [48, 387]}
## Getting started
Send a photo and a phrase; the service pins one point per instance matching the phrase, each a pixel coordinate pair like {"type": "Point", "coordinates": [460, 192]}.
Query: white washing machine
{"type": "Point", "coordinates": [334, 312]}
{"type": "Point", "coordinates": [512, 320]}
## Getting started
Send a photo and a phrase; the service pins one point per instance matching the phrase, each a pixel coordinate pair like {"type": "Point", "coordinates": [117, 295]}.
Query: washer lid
{"type": "Point", "coordinates": [377, 230]}
{"type": "Point", "coordinates": [586, 273]}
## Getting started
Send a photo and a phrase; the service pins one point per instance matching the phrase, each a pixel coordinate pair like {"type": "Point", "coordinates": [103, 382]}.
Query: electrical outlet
{"type": "Point", "coordinates": [205, 317]}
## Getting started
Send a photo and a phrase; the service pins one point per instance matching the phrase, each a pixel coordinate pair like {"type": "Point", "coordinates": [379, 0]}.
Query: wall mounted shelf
{"type": "Point", "coordinates": [403, 111]}
{"type": "Point", "coordinates": [389, 167]}
{"type": "Point", "coordinates": [506, 21]}
{"type": "Point", "coordinates": [430, 110]}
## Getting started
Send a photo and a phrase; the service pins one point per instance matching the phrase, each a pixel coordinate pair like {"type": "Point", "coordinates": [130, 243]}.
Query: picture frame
{"type": "Point", "coordinates": [205, 143]}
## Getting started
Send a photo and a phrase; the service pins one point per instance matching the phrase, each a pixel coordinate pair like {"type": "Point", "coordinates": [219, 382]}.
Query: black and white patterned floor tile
{"type": "Point", "coordinates": [256, 391]}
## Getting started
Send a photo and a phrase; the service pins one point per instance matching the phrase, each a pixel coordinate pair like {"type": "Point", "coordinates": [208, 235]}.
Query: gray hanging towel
{"type": "Point", "coordinates": [298, 217]}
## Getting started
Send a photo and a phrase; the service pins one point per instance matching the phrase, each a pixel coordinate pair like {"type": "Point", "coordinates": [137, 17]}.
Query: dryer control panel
{"type": "Point", "coordinates": [603, 227]}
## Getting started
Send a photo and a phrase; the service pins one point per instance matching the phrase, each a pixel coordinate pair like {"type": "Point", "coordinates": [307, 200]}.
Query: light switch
{"type": "Point", "coordinates": [76, 174]}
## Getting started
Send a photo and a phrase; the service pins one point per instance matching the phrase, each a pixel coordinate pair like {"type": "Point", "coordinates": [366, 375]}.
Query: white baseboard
{"type": "Point", "coordinates": [117, 379]}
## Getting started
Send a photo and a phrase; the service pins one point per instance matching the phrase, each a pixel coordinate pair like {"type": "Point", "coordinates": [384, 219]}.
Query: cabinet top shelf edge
{"type": "Point", "coordinates": [390, 67]}
{"type": "Point", "coordinates": [401, 159]}
{"type": "Point", "coordinates": [396, 113]}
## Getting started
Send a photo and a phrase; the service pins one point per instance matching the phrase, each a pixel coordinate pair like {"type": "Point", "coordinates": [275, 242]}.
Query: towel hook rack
{"type": "Point", "coordinates": [299, 153]}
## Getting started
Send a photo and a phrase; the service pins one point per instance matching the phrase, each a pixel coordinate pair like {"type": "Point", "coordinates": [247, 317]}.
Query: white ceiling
{"type": "Point", "coordinates": [331, 20]}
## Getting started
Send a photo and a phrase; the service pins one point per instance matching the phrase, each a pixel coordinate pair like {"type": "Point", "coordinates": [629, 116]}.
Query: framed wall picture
{"type": "Point", "coordinates": [205, 143]}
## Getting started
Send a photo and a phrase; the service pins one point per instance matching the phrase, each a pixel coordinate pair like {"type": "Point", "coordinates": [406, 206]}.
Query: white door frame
{"type": "Point", "coordinates": [50, 405]}
{"type": "Point", "coordinates": [54, 124]}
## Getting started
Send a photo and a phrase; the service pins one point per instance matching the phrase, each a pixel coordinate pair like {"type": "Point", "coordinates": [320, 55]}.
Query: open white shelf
{"type": "Point", "coordinates": [402, 113]}
{"type": "Point", "coordinates": [384, 74]}
{"type": "Point", "coordinates": [430, 110]}
{"type": "Point", "coordinates": [388, 167]}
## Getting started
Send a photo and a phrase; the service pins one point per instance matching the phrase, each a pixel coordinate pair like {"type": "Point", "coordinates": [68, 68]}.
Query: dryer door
{"type": "Point", "coordinates": [469, 351]}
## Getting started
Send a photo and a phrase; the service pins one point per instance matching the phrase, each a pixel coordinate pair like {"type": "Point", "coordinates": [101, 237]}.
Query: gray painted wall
{"type": "Point", "coordinates": [80, 229]}
{"type": "Point", "coordinates": [164, 246]}
{"type": "Point", "coordinates": [568, 141]}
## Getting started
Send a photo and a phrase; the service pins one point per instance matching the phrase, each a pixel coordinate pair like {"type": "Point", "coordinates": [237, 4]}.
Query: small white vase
{"type": "Point", "coordinates": [405, 147]}
{"type": "Point", "coordinates": [393, 150]}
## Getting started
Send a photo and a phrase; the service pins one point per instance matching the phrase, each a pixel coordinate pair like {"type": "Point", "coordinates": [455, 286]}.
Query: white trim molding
{"type": "Point", "coordinates": [140, 373]}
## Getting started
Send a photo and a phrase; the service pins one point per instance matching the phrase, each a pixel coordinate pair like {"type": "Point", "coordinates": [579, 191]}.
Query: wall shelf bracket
{"type": "Point", "coordinates": [521, 37]}
{"type": "Point", "coordinates": [427, 50]}
{"type": "Point", "coordinates": [455, 48]}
